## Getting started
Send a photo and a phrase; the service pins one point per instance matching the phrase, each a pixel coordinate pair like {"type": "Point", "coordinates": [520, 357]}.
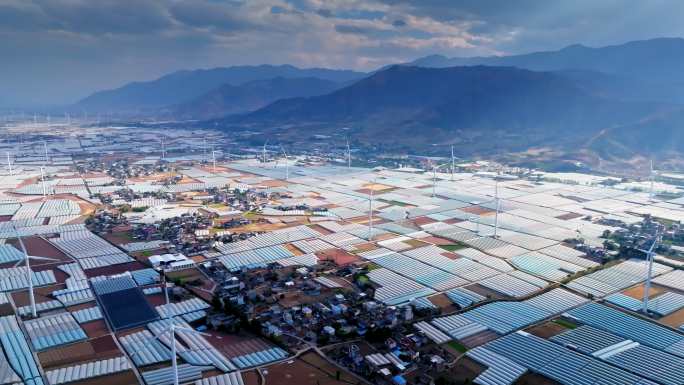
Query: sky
{"type": "Point", "coordinates": [54, 52]}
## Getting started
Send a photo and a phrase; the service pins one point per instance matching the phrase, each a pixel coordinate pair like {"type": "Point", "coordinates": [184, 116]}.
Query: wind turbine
{"type": "Point", "coordinates": [263, 153]}
{"type": "Point", "coordinates": [434, 177]}
{"type": "Point", "coordinates": [9, 164]}
{"type": "Point", "coordinates": [453, 163]}
{"type": "Point", "coordinates": [287, 166]}
{"type": "Point", "coordinates": [651, 177]}
{"type": "Point", "coordinates": [46, 151]}
{"type": "Point", "coordinates": [29, 273]}
{"type": "Point", "coordinates": [498, 207]}
{"type": "Point", "coordinates": [348, 154]}
{"type": "Point", "coordinates": [649, 259]}
{"type": "Point", "coordinates": [171, 330]}
{"type": "Point", "coordinates": [42, 178]}
{"type": "Point", "coordinates": [213, 159]}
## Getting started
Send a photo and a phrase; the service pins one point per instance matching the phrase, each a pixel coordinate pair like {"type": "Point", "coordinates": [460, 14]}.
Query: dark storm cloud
{"type": "Point", "coordinates": [208, 14]}
{"type": "Point", "coordinates": [56, 51]}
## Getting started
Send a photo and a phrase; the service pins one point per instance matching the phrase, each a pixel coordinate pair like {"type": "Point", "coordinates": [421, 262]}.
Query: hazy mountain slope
{"type": "Point", "coordinates": [230, 99]}
{"type": "Point", "coordinates": [183, 86]}
{"type": "Point", "coordinates": [653, 60]}
{"type": "Point", "coordinates": [420, 106]}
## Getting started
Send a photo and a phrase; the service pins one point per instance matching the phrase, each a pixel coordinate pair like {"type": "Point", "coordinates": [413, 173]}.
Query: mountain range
{"type": "Point", "coordinates": [603, 99]}
{"type": "Point", "coordinates": [186, 86]}
{"type": "Point", "coordinates": [479, 108]}
{"type": "Point", "coordinates": [250, 96]}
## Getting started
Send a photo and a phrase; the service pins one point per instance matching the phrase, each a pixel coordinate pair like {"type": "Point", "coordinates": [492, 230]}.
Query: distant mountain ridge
{"type": "Point", "coordinates": [231, 99]}
{"type": "Point", "coordinates": [605, 99]}
{"type": "Point", "coordinates": [184, 86]}
{"type": "Point", "coordinates": [647, 69]}
{"type": "Point", "coordinates": [654, 60]}
{"type": "Point", "coordinates": [485, 107]}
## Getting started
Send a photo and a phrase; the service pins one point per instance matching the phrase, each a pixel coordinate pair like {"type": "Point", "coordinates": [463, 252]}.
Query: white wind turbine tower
{"type": "Point", "coordinates": [213, 160]}
{"type": "Point", "coordinates": [29, 276]}
{"type": "Point", "coordinates": [9, 164]}
{"type": "Point", "coordinates": [453, 163]}
{"type": "Point", "coordinates": [287, 166]}
{"type": "Point", "coordinates": [263, 154]}
{"type": "Point", "coordinates": [42, 178]}
{"type": "Point", "coordinates": [652, 176]}
{"type": "Point", "coordinates": [434, 177]}
{"type": "Point", "coordinates": [171, 331]}
{"type": "Point", "coordinates": [650, 255]}
{"type": "Point", "coordinates": [204, 149]}
{"type": "Point", "coordinates": [498, 207]}
{"type": "Point", "coordinates": [348, 154]}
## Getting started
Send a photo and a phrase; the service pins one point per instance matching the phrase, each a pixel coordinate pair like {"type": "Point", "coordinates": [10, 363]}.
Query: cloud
{"type": "Point", "coordinates": [56, 51]}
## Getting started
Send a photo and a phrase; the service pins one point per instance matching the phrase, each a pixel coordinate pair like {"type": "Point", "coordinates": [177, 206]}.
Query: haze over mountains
{"type": "Point", "coordinates": [600, 98]}
{"type": "Point", "coordinates": [250, 96]}
{"type": "Point", "coordinates": [186, 86]}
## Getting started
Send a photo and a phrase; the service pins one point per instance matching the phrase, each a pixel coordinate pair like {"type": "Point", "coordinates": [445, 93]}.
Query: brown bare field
{"type": "Point", "coordinates": [479, 339]}
{"type": "Point", "coordinates": [362, 247]}
{"type": "Point", "coordinates": [122, 378]}
{"type": "Point", "coordinates": [320, 229]}
{"type": "Point", "coordinates": [546, 330]}
{"type": "Point", "coordinates": [151, 178]}
{"type": "Point", "coordinates": [42, 294]}
{"type": "Point", "coordinates": [638, 291]}
{"type": "Point", "coordinates": [309, 369]}
{"type": "Point", "coordinates": [485, 291]}
{"type": "Point", "coordinates": [274, 183]}
{"type": "Point", "coordinates": [96, 349]}
{"type": "Point", "coordinates": [115, 269]}
{"type": "Point", "coordinates": [338, 256]}
{"type": "Point", "coordinates": [419, 221]}
{"type": "Point", "coordinates": [377, 187]}
{"type": "Point", "coordinates": [477, 210]}
{"type": "Point", "coordinates": [95, 329]}
{"type": "Point", "coordinates": [535, 379]}
{"type": "Point", "coordinates": [233, 345]}
{"type": "Point", "coordinates": [464, 371]}
{"type": "Point", "coordinates": [119, 237]}
{"type": "Point", "coordinates": [251, 378]}
{"type": "Point", "coordinates": [293, 249]}
{"type": "Point", "coordinates": [674, 320]}
{"type": "Point", "coordinates": [42, 248]}
{"type": "Point", "coordinates": [443, 302]}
